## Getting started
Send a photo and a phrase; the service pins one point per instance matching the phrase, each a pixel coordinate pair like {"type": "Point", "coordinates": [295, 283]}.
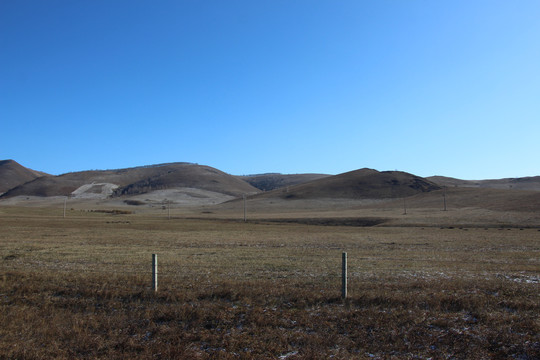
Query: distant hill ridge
{"type": "Point", "coordinates": [272, 181]}
{"type": "Point", "coordinates": [523, 183]}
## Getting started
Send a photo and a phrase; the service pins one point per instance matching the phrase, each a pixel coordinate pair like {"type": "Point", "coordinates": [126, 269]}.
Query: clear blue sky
{"type": "Point", "coordinates": [429, 87]}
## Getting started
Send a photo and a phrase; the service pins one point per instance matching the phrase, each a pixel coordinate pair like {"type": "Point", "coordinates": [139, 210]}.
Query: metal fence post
{"type": "Point", "coordinates": [154, 272]}
{"type": "Point", "coordinates": [344, 275]}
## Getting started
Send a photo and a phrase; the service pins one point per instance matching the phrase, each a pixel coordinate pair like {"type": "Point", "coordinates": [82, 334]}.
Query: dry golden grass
{"type": "Point", "coordinates": [80, 288]}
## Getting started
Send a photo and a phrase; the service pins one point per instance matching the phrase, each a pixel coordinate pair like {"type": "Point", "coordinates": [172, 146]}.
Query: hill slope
{"type": "Point", "coordinates": [13, 174]}
{"type": "Point", "coordinates": [503, 201]}
{"type": "Point", "coordinates": [523, 183]}
{"type": "Point", "coordinates": [358, 184]}
{"type": "Point", "coordinates": [272, 181]}
{"type": "Point", "coordinates": [132, 181]}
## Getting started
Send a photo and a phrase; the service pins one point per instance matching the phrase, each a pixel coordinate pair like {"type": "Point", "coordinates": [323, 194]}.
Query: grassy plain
{"type": "Point", "coordinates": [79, 287]}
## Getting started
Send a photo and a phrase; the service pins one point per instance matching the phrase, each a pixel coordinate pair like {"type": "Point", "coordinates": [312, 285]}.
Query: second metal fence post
{"type": "Point", "coordinates": [154, 272]}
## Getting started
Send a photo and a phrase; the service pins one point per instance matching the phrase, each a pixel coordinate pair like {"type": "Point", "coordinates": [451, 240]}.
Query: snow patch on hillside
{"type": "Point", "coordinates": [94, 191]}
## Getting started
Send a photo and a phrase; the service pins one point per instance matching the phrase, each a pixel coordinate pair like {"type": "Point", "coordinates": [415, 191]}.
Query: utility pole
{"type": "Point", "coordinates": [65, 203]}
{"type": "Point", "coordinates": [245, 218]}
{"type": "Point", "coordinates": [444, 198]}
{"type": "Point", "coordinates": [404, 207]}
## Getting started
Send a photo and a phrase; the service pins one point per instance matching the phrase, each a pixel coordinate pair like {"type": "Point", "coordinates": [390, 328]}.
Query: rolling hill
{"type": "Point", "coordinates": [13, 174]}
{"type": "Point", "coordinates": [358, 184]}
{"type": "Point", "coordinates": [134, 181]}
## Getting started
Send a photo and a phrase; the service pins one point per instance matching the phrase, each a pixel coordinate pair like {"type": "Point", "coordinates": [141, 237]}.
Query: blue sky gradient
{"type": "Point", "coordinates": [429, 87]}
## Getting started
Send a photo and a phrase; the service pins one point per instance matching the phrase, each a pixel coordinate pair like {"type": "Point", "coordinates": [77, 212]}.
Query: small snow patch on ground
{"type": "Point", "coordinates": [285, 356]}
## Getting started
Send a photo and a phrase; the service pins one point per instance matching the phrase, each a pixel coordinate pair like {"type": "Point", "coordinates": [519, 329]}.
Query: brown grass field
{"type": "Point", "coordinates": [80, 287]}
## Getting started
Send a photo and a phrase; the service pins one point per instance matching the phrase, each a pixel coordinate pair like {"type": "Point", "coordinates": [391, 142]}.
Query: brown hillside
{"type": "Point", "coordinates": [13, 174]}
{"type": "Point", "coordinates": [138, 180]}
{"type": "Point", "coordinates": [479, 198]}
{"type": "Point", "coordinates": [523, 183]}
{"type": "Point", "coordinates": [358, 184]}
{"type": "Point", "coordinates": [272, 181]}
{"type": "Point", "coordinates": [483, 198]}
{"type": "Point", "coordinates": [452, 182]}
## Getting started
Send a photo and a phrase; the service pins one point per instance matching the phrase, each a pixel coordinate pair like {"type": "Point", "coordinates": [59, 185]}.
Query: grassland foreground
{"type": "Point", "coordinates": [81, 288]}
